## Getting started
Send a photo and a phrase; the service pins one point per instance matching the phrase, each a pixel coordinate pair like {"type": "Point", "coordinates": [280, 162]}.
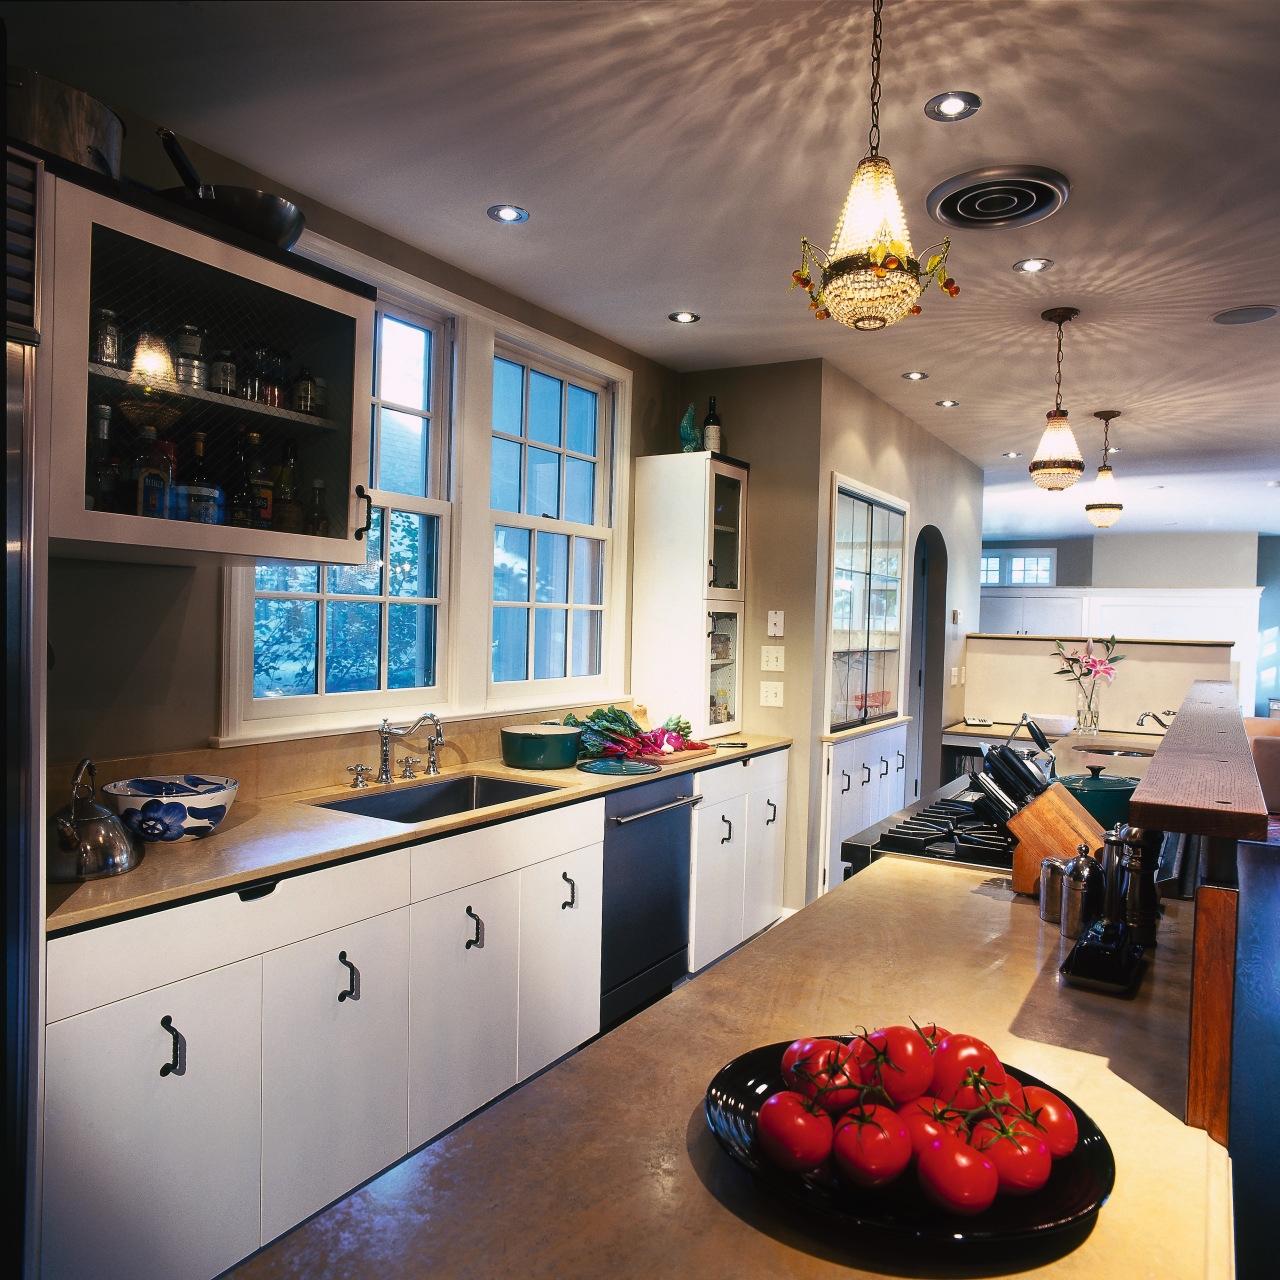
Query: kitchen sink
{"type": "Point", "coordinates": [1114, 751]}
{"type": "Point", "coordinates": [439, 799]}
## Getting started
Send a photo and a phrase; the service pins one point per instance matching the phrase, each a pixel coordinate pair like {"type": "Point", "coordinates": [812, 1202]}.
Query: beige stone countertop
{"type": "Point", "coordinates": [283, 834]}
{"type": "Point", "coordinates": [604, 1165]}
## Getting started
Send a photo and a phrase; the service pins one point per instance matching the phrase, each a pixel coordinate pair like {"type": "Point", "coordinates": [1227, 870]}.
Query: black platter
{"type": "Point", "coordinates": [1077, 1188]}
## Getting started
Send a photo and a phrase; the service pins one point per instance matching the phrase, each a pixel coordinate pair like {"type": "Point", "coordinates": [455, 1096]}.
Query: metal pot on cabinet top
{"type": "Point", "coordinates": [1106, 798]}
{"type": "Point", "coordinates": [540, 746]}
{"type": "Point", "coordinates": [87, 841]}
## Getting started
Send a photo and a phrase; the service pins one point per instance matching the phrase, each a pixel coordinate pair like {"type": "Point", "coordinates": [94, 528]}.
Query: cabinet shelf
{"type": "Point", "coordinates": [180, 391]}
{"type": "Point", "coordinates": [725, 528]}
{"type": "Point", "coordinates": [716, 663]}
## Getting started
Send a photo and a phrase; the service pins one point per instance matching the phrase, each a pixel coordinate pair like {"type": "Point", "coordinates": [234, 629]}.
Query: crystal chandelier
{"type": "Point", "coordinates": [1058, 463]}
{"type": "Point", "coordinates": [1106, 506]}
{"type": "Point", "coordinates": [870, 277]}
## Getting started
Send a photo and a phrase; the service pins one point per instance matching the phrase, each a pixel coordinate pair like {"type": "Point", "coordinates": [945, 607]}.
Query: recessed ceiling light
{"type": "Point", "coordinates": [1273, 484]}
{"type": "Point", "coordinates": [956, 104]}
{"type": "Point", "coordinates": [1011, 455]}
{"type": "Point", "coordinates": [947, 404]}
{"type": "Point", "coordinates": [508, 213]}
{"type": "Point", "coordinates": [1032, 266]}
{"type": "Point", "coordinates": [915, 376]}
{"type": "Point", "coordinates": [1170, 524]}
{"type": "Point", "coordinates": [685, 317]}
{"type": "Point", "coordinates": [1155, 486]}
{"type": "Point", "coordinates": [1246, 315]}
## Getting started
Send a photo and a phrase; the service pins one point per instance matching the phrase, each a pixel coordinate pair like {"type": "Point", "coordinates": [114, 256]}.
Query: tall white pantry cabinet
{"type": "Point", "coordinates": [689, 589]}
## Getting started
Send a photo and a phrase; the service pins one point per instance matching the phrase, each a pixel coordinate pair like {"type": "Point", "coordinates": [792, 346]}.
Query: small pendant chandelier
{"type": "Point", "coordinates": [1058, 463]}
{"type": "Point", "coordinates": [1106, 506]}
{"type": "Point", "coordinates": [870, 277]}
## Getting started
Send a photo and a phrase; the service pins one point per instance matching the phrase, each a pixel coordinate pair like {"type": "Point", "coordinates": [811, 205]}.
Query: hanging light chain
{"type": "Point", "coordinates": [873, 138]}
{"type": "Point", "coordinates": [1057, 399]}
{"type": "Point", "coordinates": [1106, 439]}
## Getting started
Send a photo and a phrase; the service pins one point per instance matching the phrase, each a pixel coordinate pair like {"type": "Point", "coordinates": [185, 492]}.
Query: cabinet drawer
{"type": "Point", "coordinates": [85, 970]}
{"type": "Point", "coordinates": [471, 856]}
{"type": "Point", "coordinates": [740, 776]}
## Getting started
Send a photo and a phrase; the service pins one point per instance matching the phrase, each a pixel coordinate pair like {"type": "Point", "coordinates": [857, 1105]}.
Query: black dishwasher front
{"type": "Point", "coordinates": [645, 904]}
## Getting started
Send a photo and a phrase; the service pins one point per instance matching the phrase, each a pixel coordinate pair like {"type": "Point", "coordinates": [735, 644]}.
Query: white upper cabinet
{"type": "Point", "coordinates": [147, 317]}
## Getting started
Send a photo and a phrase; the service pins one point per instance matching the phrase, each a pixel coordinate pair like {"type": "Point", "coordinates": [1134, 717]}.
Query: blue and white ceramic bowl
{"type": "Point", "coordinates": [168, 807]}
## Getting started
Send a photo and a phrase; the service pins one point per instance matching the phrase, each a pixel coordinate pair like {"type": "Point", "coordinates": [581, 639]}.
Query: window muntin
{"type": "Point", "coordinates": [989, 573]}
{"type": "Point", "coordinates": [1019, 567]}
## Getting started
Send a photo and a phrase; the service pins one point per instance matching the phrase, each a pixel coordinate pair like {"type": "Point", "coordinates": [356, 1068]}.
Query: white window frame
{"type": "Point", "coordinates": [1008, 554]}
{"type": "Point", "coordinates": [464, 689]}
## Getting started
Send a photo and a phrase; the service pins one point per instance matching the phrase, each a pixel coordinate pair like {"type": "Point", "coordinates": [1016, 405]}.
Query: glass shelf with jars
{"type": "Point", "coordinates": [218, 409]}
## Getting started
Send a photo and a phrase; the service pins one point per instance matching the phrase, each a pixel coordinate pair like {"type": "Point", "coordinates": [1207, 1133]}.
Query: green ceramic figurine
{"type": "Point", "coordinates": [690, 434]}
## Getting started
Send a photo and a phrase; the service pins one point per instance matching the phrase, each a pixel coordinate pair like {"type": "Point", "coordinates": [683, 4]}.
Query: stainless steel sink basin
{"type": "Point", "coordinates": [438, 799]}
{"type": "Point", "coordinates": [1114, 751]}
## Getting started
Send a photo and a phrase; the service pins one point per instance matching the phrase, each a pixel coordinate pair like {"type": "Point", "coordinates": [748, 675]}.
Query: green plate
{"type": "Point", "coordinates": [618, 766]}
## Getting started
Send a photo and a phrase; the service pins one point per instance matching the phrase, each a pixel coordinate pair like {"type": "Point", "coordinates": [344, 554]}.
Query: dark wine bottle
{"type": "Point", "coordinates": [318, 516]}
{"type": "Point", "coordinates": [260, 483]}
{"type": "Point", "coordinates": [287, 514]}
{"type": "Point", "coordinates": [101, 469]}
{"type": "Point", "coordinates": [711, 428]}
{"type": "Point", "coordinates": [200, 498]}
{"type": "Point", "coordinates": [241, 484]}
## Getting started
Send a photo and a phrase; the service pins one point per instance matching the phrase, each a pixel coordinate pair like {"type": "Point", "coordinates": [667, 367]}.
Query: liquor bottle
{"type": "Point", "coordinates": [711, 429]}
{"type": "Point", "coordinates": [318, 517]}
{"type": "Point", "coordinates": [287, 514]}
{"type": "Point", "coordinates": [241, 484]}
{"type": "Point", "coordinates": [101, 468]}
{"type": "Point", "coordinates": [260, 483]}
{"type": "Point", "coordinates": [200, 498]}
{"type": "Point", "coordinates": [152, 474]}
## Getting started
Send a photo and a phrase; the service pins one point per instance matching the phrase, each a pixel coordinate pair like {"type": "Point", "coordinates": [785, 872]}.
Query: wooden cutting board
{"type": "Point", "coordinates": [640, 714]}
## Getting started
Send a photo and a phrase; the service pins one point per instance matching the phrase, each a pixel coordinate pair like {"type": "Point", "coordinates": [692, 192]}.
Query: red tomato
{"type": "Point", "coordinates": [1054, 1119]}
{"type": "Point", "coordinates": [1019, 1154]}
{"type": "Point", "coordinates": [933, 1034]}
{"type": "Point", "coordinates": [825, 1071]}
{"type": "Point", "coordinates": [872, 1145]}
{"type": "Point", "coordinates": [925, 1119]}
{"type": "Point", "coordinates": [964, 1070]}
{"type": "Point", "coordinates": [902, 1065]}
{"type": "Point", "coordinates": [795, 1134]}
{"type": "Point", "coordinates": [957, 1176]}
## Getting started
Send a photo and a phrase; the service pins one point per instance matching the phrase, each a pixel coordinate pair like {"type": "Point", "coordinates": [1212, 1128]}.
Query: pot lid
{"type": "Point", "coordinates": [1094, 781]}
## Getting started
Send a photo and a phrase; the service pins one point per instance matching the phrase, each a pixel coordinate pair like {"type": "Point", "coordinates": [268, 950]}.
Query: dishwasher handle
{"type": "Point", "coordinates": [662, 808]}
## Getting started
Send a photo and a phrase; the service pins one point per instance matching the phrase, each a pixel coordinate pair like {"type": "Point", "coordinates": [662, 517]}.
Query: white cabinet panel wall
{"type": "Point", "coordinates": [766, 828]}
{"type": "Point", "coordinates": [152, 1173]}
{"type": "Point", "coordinates": [335, 1017]}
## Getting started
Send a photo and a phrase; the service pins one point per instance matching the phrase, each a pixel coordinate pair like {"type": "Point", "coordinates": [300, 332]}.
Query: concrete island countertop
{"type": "Point", "coordinates": [604, 1166]}
{"type": "Point", "coordinates": [285, 834]}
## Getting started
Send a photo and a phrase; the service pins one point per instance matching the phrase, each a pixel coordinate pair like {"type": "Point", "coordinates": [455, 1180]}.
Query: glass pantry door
{"type": "Point", "coordinates": [727, 510]}
{"type": "Point", "coordinates": [723, 639]}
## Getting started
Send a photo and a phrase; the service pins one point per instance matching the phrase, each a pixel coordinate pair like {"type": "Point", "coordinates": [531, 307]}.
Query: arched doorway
{"type": "Point", "coordinates": [926, 676]}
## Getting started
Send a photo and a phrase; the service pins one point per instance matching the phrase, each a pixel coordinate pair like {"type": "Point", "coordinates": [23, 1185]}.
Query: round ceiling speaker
{"type": "Point", "coordinates": [1245, 315]}
{"type": "Point", "coordinates": [1006, 195]}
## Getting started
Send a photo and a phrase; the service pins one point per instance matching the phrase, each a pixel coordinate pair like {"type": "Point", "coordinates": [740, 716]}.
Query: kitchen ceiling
{"type": "Point", "coordinates": [672, 154]}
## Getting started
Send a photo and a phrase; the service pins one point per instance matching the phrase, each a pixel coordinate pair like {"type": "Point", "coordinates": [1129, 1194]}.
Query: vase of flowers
{"type": "Point", "coordinates": [1086, 670]}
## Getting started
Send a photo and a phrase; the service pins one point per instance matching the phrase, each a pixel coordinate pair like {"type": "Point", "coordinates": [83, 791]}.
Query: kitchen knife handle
{"type": "Point", "coordinates": [573, 892]}
{"type": "Point", "coordinates": [353, 980]}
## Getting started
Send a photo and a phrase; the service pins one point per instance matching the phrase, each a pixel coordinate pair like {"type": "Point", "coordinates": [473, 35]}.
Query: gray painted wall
{"type": "Point", "coordinates": [1075, 556]}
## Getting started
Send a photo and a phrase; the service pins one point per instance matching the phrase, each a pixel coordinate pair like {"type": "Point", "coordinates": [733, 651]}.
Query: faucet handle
{"type": "Point", "coordinates": [359, 770]}
{"type": "Point", "coordinates": [408, 762]}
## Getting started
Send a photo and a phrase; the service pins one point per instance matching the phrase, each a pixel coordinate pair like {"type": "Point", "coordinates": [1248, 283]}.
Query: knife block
{"type": "Point", "coordinates": [1050, 826]}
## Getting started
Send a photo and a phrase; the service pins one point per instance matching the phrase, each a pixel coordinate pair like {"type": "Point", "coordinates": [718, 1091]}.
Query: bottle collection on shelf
{"type": "Point", "coordinates": [151, 481]}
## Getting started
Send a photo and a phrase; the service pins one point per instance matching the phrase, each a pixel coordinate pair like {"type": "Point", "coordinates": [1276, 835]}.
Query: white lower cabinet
{"type": "Point", "coordinates": [559, 1005]}
{"type": "Point", "coordinates": [718, 879]}
{"type": "Point", "coordinates": [335, 1016]}
{"type": "Point", "coordinates": [464, 955]}
{"type": "Point", "coordinates": [151, 1171]}
{"type": "Point", "coordinates": [867, 782]}
{"type": "Point", "coordinates": [766, 834]}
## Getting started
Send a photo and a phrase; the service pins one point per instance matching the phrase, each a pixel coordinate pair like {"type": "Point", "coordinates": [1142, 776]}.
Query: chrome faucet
{"type": "Point", "coordinates": [1146, 715]}
{"type": "Point", "coordinates": [386, 733]}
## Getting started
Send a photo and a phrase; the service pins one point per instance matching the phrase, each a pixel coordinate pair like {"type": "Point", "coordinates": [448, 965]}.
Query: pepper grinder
{"type": "Point", "coordinates": [1112, 852]}
{"type": "Point", "coordinates": [1139, 863]}
{"type": "Point", "coordinates": [1082, 893]}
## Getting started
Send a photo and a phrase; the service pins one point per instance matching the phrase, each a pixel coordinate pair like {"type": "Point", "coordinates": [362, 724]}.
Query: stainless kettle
{"type": "Point", "coordinates": [87, 841]}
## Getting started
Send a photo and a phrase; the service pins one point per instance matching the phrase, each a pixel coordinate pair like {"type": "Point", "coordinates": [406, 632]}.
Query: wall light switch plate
{"type": "Point", "coordinates": [962, 675]}
{"type": "Point", "coordinates": [771, 693]}
{"type": "Point", "coordinates": [957, 616]}
{"type": "Point", "coordinates": [772, 657]}
{"type": "Point", "coordinates": [775, 622]}
{"type": "Point", "coordinates": [955, 675]}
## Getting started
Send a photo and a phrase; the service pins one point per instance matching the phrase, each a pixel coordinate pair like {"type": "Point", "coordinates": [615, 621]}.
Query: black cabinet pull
{"type": "Point", "coordinates": [177, 1065]}
{"type": "Point", "coordinates": [256, 891]}
{"type": "Point", "coordinates": [478, 940]}
{"type": "Point", "coordinates": [885, 770]}
{"type": "Point", "coordinates": [903, 765]}
{"type": "Point", "coordinates": [368, 512]}
{"type": "Point", "coordinates": [774, 807]}
{"type": "Point", "coordinates": [353, 980]}
{"type": "Point", "coordinates": [573, 892]}
{"type": "Point", "coordinates": [712, 632]}
{"type": "Point", "coordinates": [867, 779]}
{"type": "Point", "coordinates": [727, 823]}
{"type": "Point", "coordinates": [848, 782]}
{"type": "Point", "coordinates": [711, 581]}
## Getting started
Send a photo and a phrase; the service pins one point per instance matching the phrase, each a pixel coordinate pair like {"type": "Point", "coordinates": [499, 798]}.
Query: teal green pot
{"type": "Point", "coordinates": [540, 746]}
{"type": "Point", "coordinates": [1106, 798]}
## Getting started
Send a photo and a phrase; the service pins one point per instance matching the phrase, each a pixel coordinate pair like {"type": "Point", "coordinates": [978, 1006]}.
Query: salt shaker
{"type": "Point", "coordinates": [1051, 873]}
{"type": "Point", "coordinates": [1082, 891]}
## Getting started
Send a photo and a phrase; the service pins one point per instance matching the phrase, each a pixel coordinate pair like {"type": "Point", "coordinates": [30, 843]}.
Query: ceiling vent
{"type": "Point", "coordinates": [1005, 195]}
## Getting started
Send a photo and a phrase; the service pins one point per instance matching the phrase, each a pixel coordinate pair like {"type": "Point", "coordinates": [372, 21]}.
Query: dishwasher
{"type": "Point", "coordinates": [645, 902]}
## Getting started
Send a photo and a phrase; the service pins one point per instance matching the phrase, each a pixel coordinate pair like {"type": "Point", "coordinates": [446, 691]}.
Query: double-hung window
{"type": "Point", "coordinates": [1020, 567]}
{"type": "Point", "coordinates": [550, 498]}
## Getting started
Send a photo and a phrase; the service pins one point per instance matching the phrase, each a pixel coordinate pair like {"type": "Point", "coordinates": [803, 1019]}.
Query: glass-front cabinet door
{"type": "Point", "coordinates": [724, 634]}
{"type": "Point", "coordinates": [203, 398]}
{"type": "Point", "coordinates": [727, 511]}
{"type": "Point", "coordinates": [866, 611]}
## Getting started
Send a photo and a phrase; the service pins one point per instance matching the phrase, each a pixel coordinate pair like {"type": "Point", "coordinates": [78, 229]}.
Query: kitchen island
{"type": "Point", "coordinates": [603, 1166]}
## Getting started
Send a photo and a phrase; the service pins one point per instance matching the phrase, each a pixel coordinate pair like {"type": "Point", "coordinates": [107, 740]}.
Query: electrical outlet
{"type": "Point", "coordinates": [772, 657]}
{"type": "Point", "coordinates": [955, 675]}
{"type": "Point", "coordinates": [771, 693]}
{"type": "Point", "coordinates": [775, 622]}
